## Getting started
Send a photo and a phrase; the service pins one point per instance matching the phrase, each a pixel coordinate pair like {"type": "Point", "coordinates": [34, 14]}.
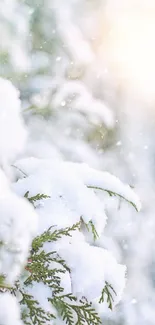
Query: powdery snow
{"type": "Point", "coordinates": [84, 259]}
{"type": "Point", "coordinates": [72, 189]}
{"type": "Point", "coordinates": [9, 310]}
{"type": "Point", "coordinates": [12, 130]}
{"type": "Point", "coordinates": [67, 184]}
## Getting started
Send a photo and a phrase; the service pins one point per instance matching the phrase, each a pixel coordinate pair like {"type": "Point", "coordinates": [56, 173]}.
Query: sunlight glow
{"type": "Point", "coordinates": [128, 44]}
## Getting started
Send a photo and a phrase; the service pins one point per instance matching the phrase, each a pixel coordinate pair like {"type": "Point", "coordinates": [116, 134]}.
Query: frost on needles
{"type": "Point", "coordinates": [51, 214]}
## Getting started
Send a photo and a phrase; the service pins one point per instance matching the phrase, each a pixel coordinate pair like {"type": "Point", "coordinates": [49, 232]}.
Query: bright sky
{"type": "Point", "coordinates": [128, 43]}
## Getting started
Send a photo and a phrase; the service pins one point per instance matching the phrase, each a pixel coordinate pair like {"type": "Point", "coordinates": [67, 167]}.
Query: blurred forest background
{"type": "Point", "coordinates": [86, 73]}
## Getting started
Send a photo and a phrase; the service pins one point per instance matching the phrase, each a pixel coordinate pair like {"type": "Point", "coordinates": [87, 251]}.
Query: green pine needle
{"type": "Point", "coordinates": [107, 291]}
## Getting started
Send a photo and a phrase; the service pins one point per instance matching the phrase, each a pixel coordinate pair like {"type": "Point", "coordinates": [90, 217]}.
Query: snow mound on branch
{"type": "Point", "coordinates": [92, 178]}
{"type": "Point", "coordinates": [108, 182]}
{"type": "Point", "coordinates": [69, 196]}
{"type": "Point", "coordinates": [73, 195]}
{"type": "Point", "coordinates": [84, 259]}
{"type": "Point", "coordinates": [91, 268]}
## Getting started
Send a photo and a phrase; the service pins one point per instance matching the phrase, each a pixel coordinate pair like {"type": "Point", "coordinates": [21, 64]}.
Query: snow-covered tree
{"type": "Point", "coordinates": [68, 278]}
{"type": "Point", "coordinates": [59, 55]}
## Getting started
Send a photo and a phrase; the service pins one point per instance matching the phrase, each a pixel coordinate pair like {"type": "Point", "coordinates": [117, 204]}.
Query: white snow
{"type": "Point", "coordinates": [83, 260]}
{"type": "Point", "coordinates": [69, 112]}
{"type": "Point", "coordinates": [70, 199]}
{"type": "Point", "coordinates": [18, 224]}
{"type": "Point", "coordinates": [9, 310]}
{"type": "Point", "coordinates": [90, 177]}
{"type": "Point", "coordinates": [73, 196]}
{"type": "Point", "coordinates": [12, 129]}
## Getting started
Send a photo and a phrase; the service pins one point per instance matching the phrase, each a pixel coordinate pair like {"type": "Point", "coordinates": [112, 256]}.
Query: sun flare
{"type": "Point", "coordinates": [127, 44]}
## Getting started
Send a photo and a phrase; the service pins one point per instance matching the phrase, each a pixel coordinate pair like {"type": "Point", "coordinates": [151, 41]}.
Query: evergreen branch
{"type": "Point", "coordinates": [20, 170]}
{"type": "Point", "coordinates": [47, 268]}
{"type": "Point", "coordinates": [106, 291]}
{"type": "Point", "coordinates": [80, 313]}
{"type": "Point", "coordinates": [36, 197]}
{"type": "Point", "coordinates": [111, 193]}
{"type": "Point", "coordinates": [90, 227]}
{"type": "Point", "coordinates": [49, 236]}
{"type": "Point", "coordinates": [33, 314]}
{"type": "Point", "coordinates": [42, 270]}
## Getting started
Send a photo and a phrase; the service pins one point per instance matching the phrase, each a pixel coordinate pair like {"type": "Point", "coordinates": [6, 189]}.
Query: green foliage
{"type": "Point", "coordinates": [52, 236]}
{"type": "Point", "coordinates": [33, 313]}
{"type": "Point", "coordinates": [111, 193]}
{"type": "Point", "coordinates": [90, 228]}
{"type": "Point", "coordinates": [107, 291]}
{"type": "Point", "coordinates": [47, 268]}
{"type": "Point", "coordinates": [36, 197]}
{"type": "Point", "coordinates": [76, 312]}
